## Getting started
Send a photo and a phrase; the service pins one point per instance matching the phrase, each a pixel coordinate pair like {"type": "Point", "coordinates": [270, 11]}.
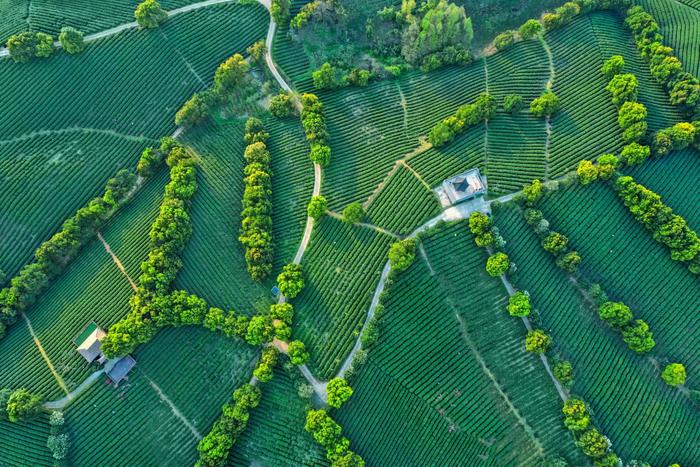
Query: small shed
{"type": "Point", "coordinates": [88, 342]}
{"type": "Point", "coordinates": [118, 369]}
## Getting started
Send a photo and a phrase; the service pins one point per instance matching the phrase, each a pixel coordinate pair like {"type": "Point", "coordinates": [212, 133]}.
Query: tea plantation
{"type": "Point", "coordinates": [349, 233]}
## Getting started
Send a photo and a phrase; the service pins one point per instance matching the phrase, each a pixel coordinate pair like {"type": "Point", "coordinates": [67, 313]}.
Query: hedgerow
{"type": "Point", "coordinates": [328, 434]}
{"type": "Point", "coordinates": [683, 88]}
{"type": "Point", "coordinates": [466, 116]}
{"type": "Point", "coordinates": [215, 447]}
{"type": "Point", "coordinates": [667, 228]}
{"type": "Point", "coordinates": [53, 256]}
{"type": "Point", "coordinates": [256, 216]}
{"type": "Point", "coordinates": [314, 123]}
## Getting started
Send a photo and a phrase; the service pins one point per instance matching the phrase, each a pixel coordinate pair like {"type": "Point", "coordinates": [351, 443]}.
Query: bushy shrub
{"type": "Point", "coordinates": [674, 374]}
{"type": "Point", "coordinates": [23, 405]}
{"type": "Point", "coordinates": [564, 372]}
{"type": "Point", "coordinates": [587, 172]}
{"type": "Point", "coordinates": [519, 304]}
{"type": "Point", "coordinates": [149, 14]}
{"type": "Point", "coordinates": [638, 336]}
{"type": "Point", "coordinates": [569, 261]}
{"type": "Point", "coordinates": [291, 280]}
{"type": "Point", "coordinates": [513, 103]}
{"type": "Point", "coordinates": [497, 264]}
{"type": "Point", "coordinates": [632, 120]}
{"type": "Point", "coordinates": [26, 45]}
{"type": "Point", "coordinates": [263, 371]}
{"type": "Point", "coordinates": [593, 444]}
{"type": "Point", "coordinates": [504, 40]}
{"type": "Point", "coordinates": [530, 29]}
{"type": "Point", "coordinates": [555, 243]}
{"type": "Point", "coordinates": [536, 341]}
{"type": "Point", "coordinates": [71, 40]}
{"type": "Point", "coordinates": [616, 314]}
{"type": "Point", "coordinates": [533, 192]}
{"type": "Point", "coordinates": [282, 105]}
{"type": "Point", "coordinates": [339, 391]}
{"type": "Point", "coordinates": [353, 213]}
{"type": "Point", "coordinates": [298, 353]}
{"type": "Point", "coordinates": [634, 153]}
{"type": "Point", "coordinates": [615, 65]}
{"type": "Point", "coordinates": [607, 165]}
{"type": "Point", "coordinates": [622, 88]}
{"type": "Point", "coordinates": [576, 416]}
{"type": "Point", "coordinates": [318, 207]}
{"type": "Point", "coordinates": [402, 254]}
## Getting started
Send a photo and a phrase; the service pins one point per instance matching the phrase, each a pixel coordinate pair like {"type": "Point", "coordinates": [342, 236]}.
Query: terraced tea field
{"type": "Point", "coordinates": [450, 366]}
{"type": "Point", "coordinates": [641, 415]}
{"type": "Point", "coordinates": [342, 268]}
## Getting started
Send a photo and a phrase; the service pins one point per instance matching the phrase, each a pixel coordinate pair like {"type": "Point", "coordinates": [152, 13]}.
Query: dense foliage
{"type": "Point", "coordinates": [402, 254]}
{"type": "Point", "coordinates": [27, 45]}
{"type": "Point", "coordinates": [256, 216]}
{"type": "Point", "coordinates": [466, 116]}
{"type": "Point", "coordinates": [328, 434]}
{"type": "Point", "coordinates": [674, 374]}
{"type": "Point", "coordinates": [314, 123]}
{"type": "Point", "coordinates": [214, 448]}
{"type": "Point", "coordinates": [291, 280]}
{"type": "Point", "coordinates": [71, 40]}
{"type": "Point", "coordinates": [339, 391]}
{"type": "Point", "coordinates": [149, 14]}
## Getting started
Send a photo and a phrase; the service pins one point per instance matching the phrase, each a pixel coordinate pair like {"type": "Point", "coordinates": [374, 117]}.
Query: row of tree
{"type": "Point", "coordinates": [328, 76]}
{"type": "Point", "coordinates": [328, 434]}
{"type": "Point", "coordinates": [256, 216]}
{"type": "Point", "coordinates": [229, 76]}
{"type": "Point", "coordinates": [683, 88]}
{"type": "Point", "coordinates": [555, 243]}
{"type": "Point", "coordinates": [561, 16]}
{"type": "Point", "coordinates": [54, 255]}
{"type": "Point", "coordinates": [668, 228]}
{"type": "Point", "coordinates": [215, 447]}
{"type": "Point", "coordinates": [152, 305]}
{"type": "Point", "coordinates": [314, 123]}
{"type": "Point", "coordinates": [466, 116]}
{"type": "Point", "coordinates": [595, 445]}
{"type": "Point", "coordinates": [27, 45]}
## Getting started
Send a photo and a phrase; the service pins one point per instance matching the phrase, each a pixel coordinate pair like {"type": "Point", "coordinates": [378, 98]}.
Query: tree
{"type": "Point", "coordinates": [552, 21]}
{"type": "Point", "coordinates": [358, 77]}
{"type": "Point", "coordinates": [44, 45]}
{"type": "Point", "coordinates": [504, 40]}
{"type": "Point", "coordinates": [632, 120]}
{"type": "Point", "coordinates": [230, 74]}
{"type": "Point", "coordinates": [441, 134]}
{"type": "Point", "coordinates": [58, 445]}
{"type": "Point", "coordinates": [23, 405]}
{"type": "Point", "coordinates": [353, 213]}
{"type": "Point", "coordinates": [402, 254]}
{"type": "Point", "coordinates": [545, 106]}
{"type": "Point", "coordinates": [291, 280]}
{"type": "Point", "coordinates": [260, 330]}
{"type": "Point", "coordinates": [513, 103]}
{"type": "Point", "coordinates": [149, 162]}
{"type": "Point", "coordinates": [607, 164]}
{"type": "Point", "coordinates": [530, 29]}
{"type": "Point", "coordinates": [576, 416]}
{"type": "Point", "coordinates": [320, 154]}
{"type": "Point", "coordinates": [519, 304]}
{"type": "Point", "coordinates": [564, 372]}
{"type": "Point", "coordinates": [569, 261]}
{"type": "Point", "coordinates": [485, 105]}
{"type": "Point", "coordinates": [638, 336]}
{"type": "Point", "coordinates": [255, 133]}
{"type": "Point", "coordinates": [281, 105]}
{"type": "Point", "coordinates": [71, 40]}
{"type": "Point", "coordinates": [593, 444]}
{"type": "Point", "coordinates": [616, 314]}
{"type": "Point", "coordinates": [339, 391]}
{"type": "Point", "coordinates": [615, 65]}
{"type": "Point", "coordinates": [622, 88]}
{"type": "Point", "coordinates": [533, 192]}
{"type": "Point", "coordinates": [194, 111]}
{"type": "Point", "coordinates": [634, 153]}
{"type": "Point", "coordinates": [324, 77]}
{"type": "Point", "coordinates": [324, 430]}
{"type": "Point", "coordinates": [257, 52]}
{"type": "Point", "coordinates": [497, 264]}
{"type": "Point", "coordinates": [555, 243]}
{"type": "Point", "coordinates": [280, 11]}
{"type": "Point", "coordinates": [149, 14]}
{"type": "Point", "coordinates": [298, 353]}
{"type": "Point", "coordinates": [586, 172]}
{"type": "Point", "coordinates": [24, 46]}
{"type": "Point", "coordinates": [674, 374]}
{"type": "Point", "coordinates": [536, 341]}
{"type": "Point", "coordinates": [318, 207]}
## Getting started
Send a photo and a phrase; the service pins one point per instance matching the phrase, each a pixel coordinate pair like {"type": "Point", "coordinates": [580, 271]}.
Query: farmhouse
{"type": "Point", "coordinates": [462, 187]}
{"type": "Point", "coordinates": [88, 343]}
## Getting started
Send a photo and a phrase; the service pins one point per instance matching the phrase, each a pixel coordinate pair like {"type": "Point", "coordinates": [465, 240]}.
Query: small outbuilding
{"type": "Point", "coordinates": [88, 342]}
{"type": "Point", "coordinates": [118, 369]}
